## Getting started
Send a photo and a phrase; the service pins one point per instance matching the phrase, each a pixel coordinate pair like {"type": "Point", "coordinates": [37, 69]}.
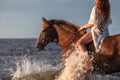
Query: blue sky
{"type": "Point", "coordinates": [22, 18]}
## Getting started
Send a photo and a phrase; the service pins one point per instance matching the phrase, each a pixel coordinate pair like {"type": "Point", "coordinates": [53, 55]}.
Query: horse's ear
{"type": "Point", "coordinates": [45, 21]}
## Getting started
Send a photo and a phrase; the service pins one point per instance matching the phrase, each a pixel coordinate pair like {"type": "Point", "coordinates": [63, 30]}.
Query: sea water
{"type": "Point", "coordinates": [20, 60]}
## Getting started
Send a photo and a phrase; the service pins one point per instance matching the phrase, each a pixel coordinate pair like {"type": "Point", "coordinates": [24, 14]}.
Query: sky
{"type": "Point", "coordinates": [23, 18]}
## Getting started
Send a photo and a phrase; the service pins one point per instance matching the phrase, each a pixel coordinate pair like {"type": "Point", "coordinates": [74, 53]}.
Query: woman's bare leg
{"type": "Point", "coordinates": [87, 38]}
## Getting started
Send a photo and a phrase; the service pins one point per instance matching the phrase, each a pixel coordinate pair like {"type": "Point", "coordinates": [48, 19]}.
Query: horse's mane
{"type": "Point", "coordinates": [65, 25]}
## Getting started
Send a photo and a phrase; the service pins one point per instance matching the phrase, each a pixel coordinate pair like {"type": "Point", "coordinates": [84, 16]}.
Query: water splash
{"type": "Point", "coordinates": [26, 67]}
{"type": "Point", "coordinates": [76, 67]}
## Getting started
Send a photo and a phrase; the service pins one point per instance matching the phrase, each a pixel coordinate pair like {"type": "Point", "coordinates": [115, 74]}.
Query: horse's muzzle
{"type": "Point", "coordinates": [40, 47]}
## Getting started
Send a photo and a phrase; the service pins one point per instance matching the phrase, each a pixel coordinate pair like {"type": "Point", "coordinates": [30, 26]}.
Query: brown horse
{"type": "Point", "coordinates": [66, 34]}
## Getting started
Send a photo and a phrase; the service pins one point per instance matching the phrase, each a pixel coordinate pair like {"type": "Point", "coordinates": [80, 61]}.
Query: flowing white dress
{"type": "Point", "coordinates": [100, 29]}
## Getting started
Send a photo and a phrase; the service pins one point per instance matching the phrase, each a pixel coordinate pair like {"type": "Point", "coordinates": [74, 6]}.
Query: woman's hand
{"type": "Point", "coordinates": [85, 27]}
{"type": "Point", "coordinates": [81, 28]}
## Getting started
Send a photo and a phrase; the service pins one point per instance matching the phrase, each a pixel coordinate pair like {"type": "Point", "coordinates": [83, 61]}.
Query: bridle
{"type": "Point", "coordinates": [53, 34]}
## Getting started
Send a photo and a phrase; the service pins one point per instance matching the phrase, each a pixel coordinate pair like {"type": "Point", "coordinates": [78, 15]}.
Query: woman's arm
{"type": "Point", "coordinates": [86, 26]}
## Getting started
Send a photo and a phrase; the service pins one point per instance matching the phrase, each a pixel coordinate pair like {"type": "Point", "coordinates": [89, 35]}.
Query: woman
{"type": "Point", "coordinates": [98, 22]}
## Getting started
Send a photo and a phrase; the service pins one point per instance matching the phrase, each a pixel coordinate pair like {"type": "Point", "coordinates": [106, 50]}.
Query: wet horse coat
{"type": "Point", "coordinates": [66, 34]}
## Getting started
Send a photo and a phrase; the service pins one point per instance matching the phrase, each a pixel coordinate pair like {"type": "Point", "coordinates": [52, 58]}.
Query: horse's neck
{"type": "Point", "coordinates": [65, 37]}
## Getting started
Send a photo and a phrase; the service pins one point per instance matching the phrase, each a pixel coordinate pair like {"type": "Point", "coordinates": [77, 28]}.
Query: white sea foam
{"type": "Point", "coordinates": [76, 67]}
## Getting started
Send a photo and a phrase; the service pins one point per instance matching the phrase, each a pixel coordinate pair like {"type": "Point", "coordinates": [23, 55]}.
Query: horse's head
{"type": "Point", "coordinates": [59, 31]}
{"type": "Point", "coordinates": [48, 34]}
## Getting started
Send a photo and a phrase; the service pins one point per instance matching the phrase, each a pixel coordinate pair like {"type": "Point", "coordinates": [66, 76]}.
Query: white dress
{"type": "Point", "coordinates": [100, 29]}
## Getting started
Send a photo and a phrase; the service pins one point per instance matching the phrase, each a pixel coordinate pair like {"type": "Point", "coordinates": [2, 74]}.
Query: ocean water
{"type": "Point", "coordinates": [20, 60]}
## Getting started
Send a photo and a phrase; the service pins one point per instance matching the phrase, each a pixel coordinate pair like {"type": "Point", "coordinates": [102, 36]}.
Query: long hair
{"type": "Point", "coordinates": [103, 8]}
